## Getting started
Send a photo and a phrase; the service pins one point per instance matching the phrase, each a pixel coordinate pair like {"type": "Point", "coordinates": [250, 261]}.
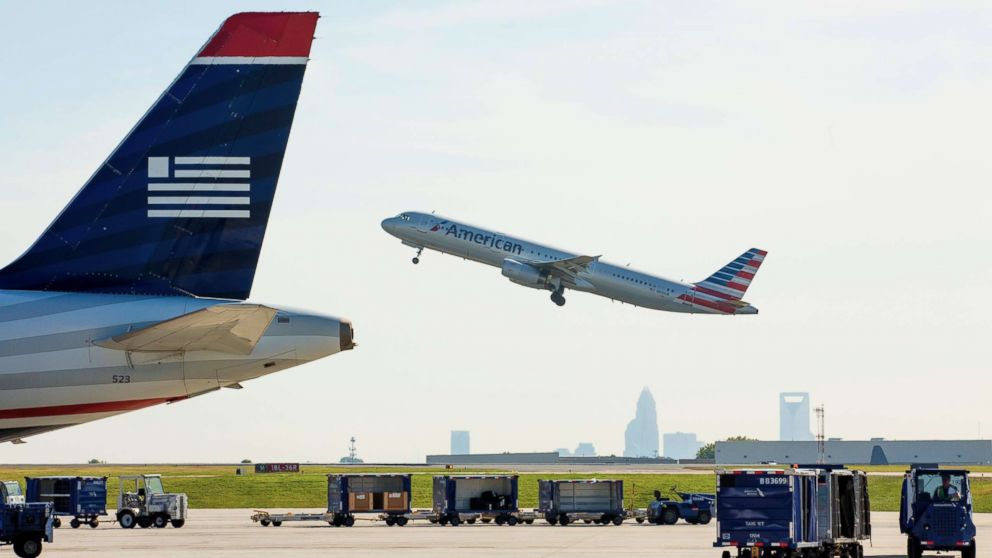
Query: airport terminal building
{"type": "Point", "coordinates": [869, 452]}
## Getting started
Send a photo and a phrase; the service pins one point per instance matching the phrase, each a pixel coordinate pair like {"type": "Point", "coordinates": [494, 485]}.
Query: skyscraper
{"type": "Point", "coordinates": [460, 442]}
{"type": "Point", "coordinates": [793, 412]}
{"type": "Point", "coordinates": [641, 436]}
{"type": "Point", "coordinates": [681, 445]}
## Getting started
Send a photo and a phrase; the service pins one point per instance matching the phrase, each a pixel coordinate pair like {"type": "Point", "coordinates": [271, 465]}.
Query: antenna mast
{"type": "Point", "coordinates": [352, 450]}
{"type": "Point", "coordinates": [821, 439]}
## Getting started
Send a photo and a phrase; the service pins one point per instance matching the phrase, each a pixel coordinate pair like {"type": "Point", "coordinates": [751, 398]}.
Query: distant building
{"type": "Point", "coordinates": [793, 417]}
{"type": "Point", "coordinates": [858, 452]}
{"type": "Point", "coordinates": [542, 458]}
{"type": "Point", "coordinates": [641, 436]}
{"type": "Point", "coordinates": [681, 445]}
{"type": "Point", "coordinates": [585, 449]}
{"type": "Point", "coordinates": [460, 442]}
{"type": "Point", "coordinates": [563, 452]}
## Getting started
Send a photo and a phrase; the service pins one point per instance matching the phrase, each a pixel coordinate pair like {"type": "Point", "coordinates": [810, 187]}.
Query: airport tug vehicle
{"type": "Point", "coordinates": [142, 501]}
{"type": "Point", "coordinates": [695, 508]}
{"type": "Point", "coordinates": [84, 499]}
{"type": "Point", "coordinates": [815, 511]}
{"type": "Point", "coordinates": [935, 512]}
{"type": "Point", "coordinates": [26, 526]}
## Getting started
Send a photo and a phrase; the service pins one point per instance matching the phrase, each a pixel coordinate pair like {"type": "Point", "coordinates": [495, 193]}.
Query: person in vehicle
{"type": "Point", "coordinates": [946, 492]}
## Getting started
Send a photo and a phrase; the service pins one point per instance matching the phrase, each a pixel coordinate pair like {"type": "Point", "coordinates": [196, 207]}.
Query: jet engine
{"type": "Point", "coordinates": [523, 274]}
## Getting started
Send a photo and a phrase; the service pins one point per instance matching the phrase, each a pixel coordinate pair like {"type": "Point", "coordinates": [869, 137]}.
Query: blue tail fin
{"type": "Point", "coordinates": [181, 205]}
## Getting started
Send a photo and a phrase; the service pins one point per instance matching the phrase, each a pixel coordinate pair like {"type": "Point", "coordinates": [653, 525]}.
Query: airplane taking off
{"type": "Point", "coordinates": [133, 295]}
{"type": "Point", "coordinates": [540, 267]}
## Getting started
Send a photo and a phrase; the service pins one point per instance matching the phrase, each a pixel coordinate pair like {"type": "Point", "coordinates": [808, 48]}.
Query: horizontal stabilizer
{"type": "Point", "coordinates": [224, 328]}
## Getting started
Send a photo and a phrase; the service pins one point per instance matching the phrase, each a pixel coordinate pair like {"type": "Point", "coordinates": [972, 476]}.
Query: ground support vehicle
{"type": "Point", "coordinates": [690, 507]}
{"type": "Point", "coordinates": [388, 495]}
{"type": "Point", "coordinates": [793, 513]}
{"type": "Point", "coordinates": [142, 501]}
{"type": "Point", "coordinates": [84, 499]}
{"type": "Point", "coordinates": [26, 526]}
{"type": "Point", "coordinates": [599, 501]}
{"type": "Point", "coordinates": [936, 512]}
{"type": "Point", "coordinates": [465, 499]}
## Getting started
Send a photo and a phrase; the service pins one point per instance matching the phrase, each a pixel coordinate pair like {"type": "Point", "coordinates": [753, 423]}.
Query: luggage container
{"type": "Point", "coordinates": [84, 499]}
{"type": "Point", "coordinates": [471, 498]}
{"type": "Point", "coordinates": [789, 513]}
{"type": "Point", "coordinates": [593, 501]}
{"type": "Point", "coordinates": [388, 495]}
{"type": "Point", "coordinates": [842, 507]}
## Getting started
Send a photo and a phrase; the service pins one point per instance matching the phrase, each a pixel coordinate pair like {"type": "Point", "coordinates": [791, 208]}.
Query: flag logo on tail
{"type": "Point", "coordinates": [199, 187]}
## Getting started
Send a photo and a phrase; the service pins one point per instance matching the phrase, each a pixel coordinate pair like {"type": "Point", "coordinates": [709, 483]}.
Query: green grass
{"type": "Point", "coordinates": [216, 486]}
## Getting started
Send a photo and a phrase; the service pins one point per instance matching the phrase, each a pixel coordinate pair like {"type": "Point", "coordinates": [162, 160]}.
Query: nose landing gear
{"type": "Point", "coordinates": [557, 297]}
{"type": "Point", "coordinates": [416, 259]}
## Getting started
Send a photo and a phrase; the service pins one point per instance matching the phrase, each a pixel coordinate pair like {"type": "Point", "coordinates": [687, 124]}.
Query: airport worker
{"type": "Point", "coordinates": [946, 492]}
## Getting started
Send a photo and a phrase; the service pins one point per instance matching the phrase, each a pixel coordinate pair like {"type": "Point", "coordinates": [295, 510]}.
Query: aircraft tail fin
{"type": "Point", "coordinates": [731, 281]}
{"type": "Point", "coordinates": [181, 205]}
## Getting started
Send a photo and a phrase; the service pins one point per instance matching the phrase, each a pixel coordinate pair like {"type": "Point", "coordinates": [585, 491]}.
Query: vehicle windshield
{"type": "Point", "coordinates": [13, 488]}
{"type": "Point", "coordinates": [940, 487]}
{"type": "Point", "coordinates": [153, 485]}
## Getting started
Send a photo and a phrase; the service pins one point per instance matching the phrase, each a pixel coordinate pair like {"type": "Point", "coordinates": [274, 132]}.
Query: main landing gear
{"type": "Point", "coordinates": [557, 297]}
{"type": "Point", "coordinates": [416, 259]}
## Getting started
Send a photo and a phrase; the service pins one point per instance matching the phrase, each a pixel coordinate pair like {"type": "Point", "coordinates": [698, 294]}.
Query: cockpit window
{"type": "Point", "coordinates": [404, 216]}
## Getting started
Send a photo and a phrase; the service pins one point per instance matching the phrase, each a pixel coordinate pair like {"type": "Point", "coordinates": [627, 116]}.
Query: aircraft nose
{"type": "Point", "coordinates": [390, 225]}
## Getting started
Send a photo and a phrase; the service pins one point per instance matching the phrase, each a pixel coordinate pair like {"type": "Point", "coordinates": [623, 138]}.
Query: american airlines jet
{"type": "Point", "coordinates": [134, 295]}
{"type": "Point", "coordinates": [540, 267]}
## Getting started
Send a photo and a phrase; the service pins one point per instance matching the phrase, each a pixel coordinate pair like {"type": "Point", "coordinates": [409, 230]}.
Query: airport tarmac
{"type": "Point", "coordinates": [231, 533]}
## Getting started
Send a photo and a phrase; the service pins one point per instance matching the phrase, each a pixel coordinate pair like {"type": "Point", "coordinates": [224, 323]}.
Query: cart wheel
{"type": "Point", "coordinates": [74, 523]}
{"type": "Point", "coordinates": [177, 523]}
{"type": "Point", "coordinates": [454, 521]}
{"type": "Point", "coordinates": [160, 521]}
{"type": "Point", "coordinates": [726, 554]}
{"type": "Point", "coordinates": [500, 520]}
{"type": "Point", "coordinates": [94, 523]}
{"type": "Point", "coordinates": [551, 519]}
{"type": "Point", "coordinates": [126, 519]}
{"type": "Point", "coordinates": [443, 520]}
{"type": "Point", "coordinates": [265, 522]}
{"type": "Point", "coordinates": [27, 548]}
{"type": "Point", "coordinates": [390, 521]}
{"type": "Point", "coordinates": [529, 521]}
{"type": "Point", "coordinates": [401, 521]}
{"type": "Point", "coordinates": [487, 520]}
{"type": "Point", "coordinates": [588, 521]}
{"type": "Point", "coordinates": [277, 523]}
{"type": "Point", "coordinates": [563, 520]}
{"type": "Point", "coordinates": [56, 522]}
{"type": "Point", "coordinates": [349, 521]}
{"type": "Point", "coordinates": [144, 522]}
{"type": "Point", "coordinates": [704, 517]}
{"type": "Point", "coordinates": [669, 516]}
{"type": "Point", "coordinates": [639, 520]}
{"type": "Point", "coordinates": [617, 520]}
{"type": "Point", "coordinates": [470, 521]}
{"type": "Point", "coordinates": [511, 521]}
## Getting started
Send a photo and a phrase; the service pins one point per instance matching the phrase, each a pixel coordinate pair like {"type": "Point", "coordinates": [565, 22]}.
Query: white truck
{"type": "Point", "coordinates": [142, 501]}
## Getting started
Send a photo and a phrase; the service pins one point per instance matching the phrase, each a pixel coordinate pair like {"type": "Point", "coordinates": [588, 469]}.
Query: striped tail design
{"type": "Point", "coordinates": [733, 279]}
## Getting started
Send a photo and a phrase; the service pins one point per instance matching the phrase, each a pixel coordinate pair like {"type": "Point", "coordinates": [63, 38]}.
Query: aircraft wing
{"type": "Point", "coordinates": [567, 269]}
{"type": "Point", "coordinates": [225, 328]}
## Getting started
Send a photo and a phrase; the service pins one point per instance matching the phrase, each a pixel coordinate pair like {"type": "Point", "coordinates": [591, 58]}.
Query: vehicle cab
{"type": "Point", "coordinates": [936, 512]}
{"type": "Point", "coordinates": [11, 493]}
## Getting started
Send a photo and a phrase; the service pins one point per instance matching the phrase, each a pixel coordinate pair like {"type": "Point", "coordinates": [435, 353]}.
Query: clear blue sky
{"type": "Point", "coordinates": [849, 139]}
